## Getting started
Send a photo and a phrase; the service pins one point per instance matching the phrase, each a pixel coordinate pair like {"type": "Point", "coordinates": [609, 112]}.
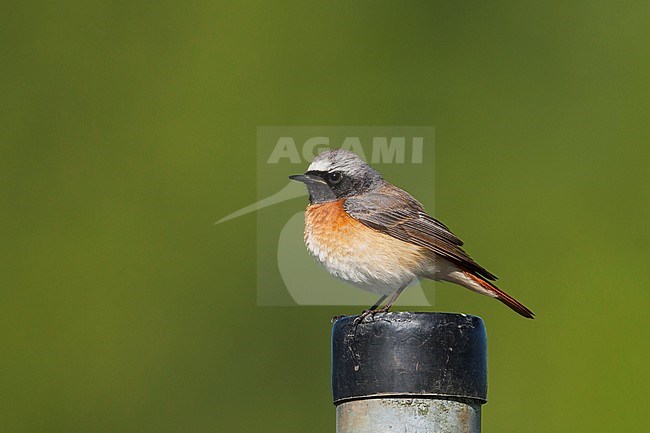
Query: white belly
{"type": "Point", "coordinates": [375, 272]}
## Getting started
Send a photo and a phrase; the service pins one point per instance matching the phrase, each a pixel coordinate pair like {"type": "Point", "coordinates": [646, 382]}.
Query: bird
{"type": "Point", "coordinates": [368, 232]}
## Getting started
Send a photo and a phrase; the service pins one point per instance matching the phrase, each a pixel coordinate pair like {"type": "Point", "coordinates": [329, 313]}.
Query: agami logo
{"type": "Point", "coordinates": [286, 274]}
{"type": "Point", "coordinates": [384, 149]}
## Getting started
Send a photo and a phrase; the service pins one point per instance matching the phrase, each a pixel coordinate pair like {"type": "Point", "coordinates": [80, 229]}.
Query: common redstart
{"type": "Point", "coordinates": [378, 237]}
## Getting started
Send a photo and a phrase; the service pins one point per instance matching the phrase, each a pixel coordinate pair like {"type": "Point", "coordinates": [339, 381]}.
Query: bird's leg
{"type": "Point", "coordinates": [375, 308]}
{"type": "Point", "coordinates": [392, 299]}
{"type": "Point", "coordinates": [377, 304]}
{"type": "Point", "coordinates": [371, 310]}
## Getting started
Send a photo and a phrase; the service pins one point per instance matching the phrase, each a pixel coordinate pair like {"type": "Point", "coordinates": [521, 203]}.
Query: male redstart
{"type": "Point", "coordinates": [376, 236]}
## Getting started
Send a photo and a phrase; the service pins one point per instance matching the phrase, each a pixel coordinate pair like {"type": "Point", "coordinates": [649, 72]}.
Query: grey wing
{"type": "Point", "coordinates": [395, 212]}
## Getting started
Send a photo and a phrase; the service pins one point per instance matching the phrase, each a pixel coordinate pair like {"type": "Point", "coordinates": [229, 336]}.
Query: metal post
{"type": "Point", "coordinates": [409, 373]}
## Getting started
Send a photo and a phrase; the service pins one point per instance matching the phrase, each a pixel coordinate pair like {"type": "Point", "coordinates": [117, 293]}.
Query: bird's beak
{"type": "Point", "coordinates": [308, 178]}
{"type": "Point", "coordinates": [298, 177]}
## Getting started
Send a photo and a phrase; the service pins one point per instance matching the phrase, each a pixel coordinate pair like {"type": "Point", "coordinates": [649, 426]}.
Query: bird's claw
{"type": "Point", "coordinates": [365, 313]}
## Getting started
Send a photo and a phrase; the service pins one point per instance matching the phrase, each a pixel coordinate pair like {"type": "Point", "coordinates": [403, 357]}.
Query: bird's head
{"type": "Point", "coordinates": [336, 174]}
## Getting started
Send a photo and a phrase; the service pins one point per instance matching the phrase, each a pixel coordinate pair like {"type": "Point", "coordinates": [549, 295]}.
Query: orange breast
{"type": "Point", "coordinates": [331, 220]}
{"type": "Point", "coordinates": [332, 228]}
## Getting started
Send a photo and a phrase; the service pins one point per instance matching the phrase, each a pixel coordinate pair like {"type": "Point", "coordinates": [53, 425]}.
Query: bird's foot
{"type": "Point", "coordinates": [366, 313]}
{"type": "Point", "coordinates": [335, 318]}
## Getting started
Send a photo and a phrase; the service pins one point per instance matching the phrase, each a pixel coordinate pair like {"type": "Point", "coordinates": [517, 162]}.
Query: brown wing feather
{"type": "Point", "coordinates": [396, 213]}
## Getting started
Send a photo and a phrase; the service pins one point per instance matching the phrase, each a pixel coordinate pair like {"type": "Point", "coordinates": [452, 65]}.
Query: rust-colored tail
{"type": "Point", "coordinates": [503, 296]}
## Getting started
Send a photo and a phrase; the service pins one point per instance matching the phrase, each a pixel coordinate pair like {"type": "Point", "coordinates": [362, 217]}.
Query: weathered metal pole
{"type": "Point", "coordinates": [409, 373]}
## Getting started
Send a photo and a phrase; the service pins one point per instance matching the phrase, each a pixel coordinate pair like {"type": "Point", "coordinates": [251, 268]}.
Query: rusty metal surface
{"type": "Point", "coordinates": [408, 415]}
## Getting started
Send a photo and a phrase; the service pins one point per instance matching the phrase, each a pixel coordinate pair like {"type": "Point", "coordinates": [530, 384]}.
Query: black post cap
{"type": "Point", "coordinates": [409, 354]}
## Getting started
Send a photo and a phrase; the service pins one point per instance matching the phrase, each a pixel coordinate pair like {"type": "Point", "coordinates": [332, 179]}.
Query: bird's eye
{"type": "Point", "coordinates": [335, 177]}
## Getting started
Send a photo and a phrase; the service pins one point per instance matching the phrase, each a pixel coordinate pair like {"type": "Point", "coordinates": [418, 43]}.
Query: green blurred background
{"type": "Point", "coordinates": [129, 127]}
